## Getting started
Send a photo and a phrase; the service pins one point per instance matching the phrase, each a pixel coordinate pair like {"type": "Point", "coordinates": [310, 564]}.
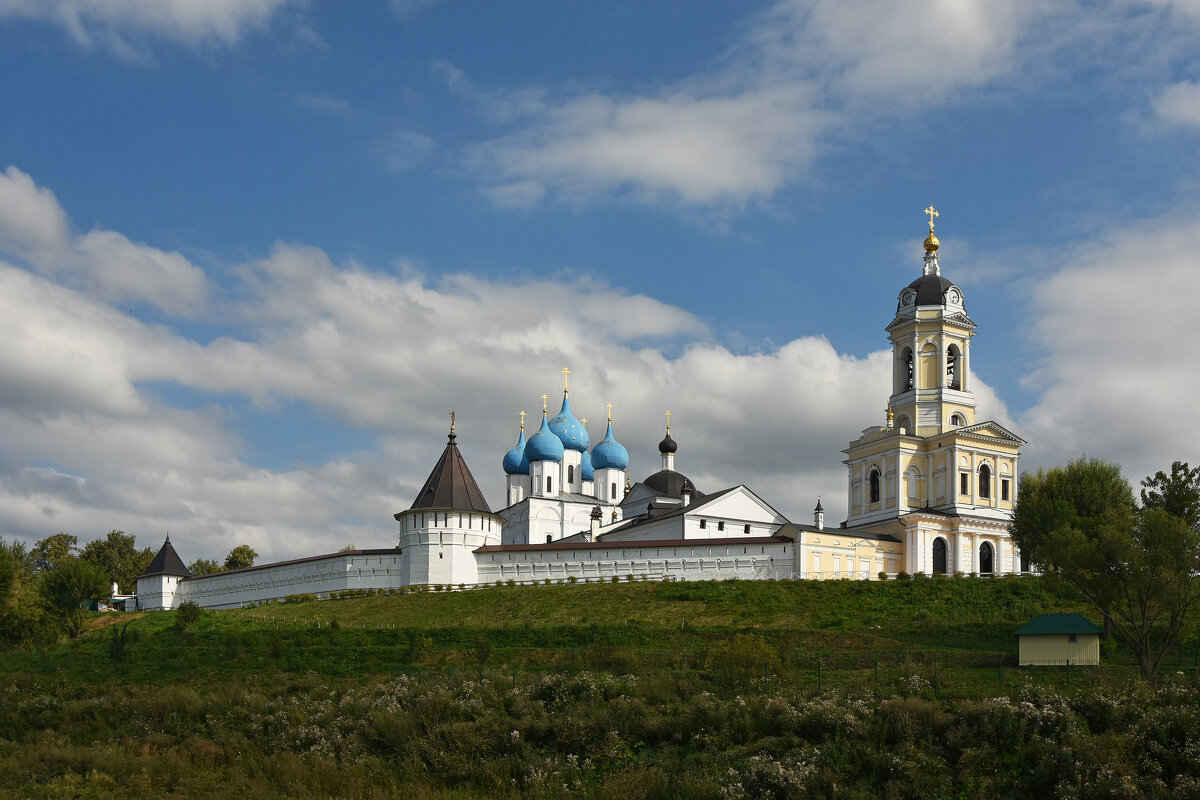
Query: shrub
{"type": "Point", "coordinates": [299, 598]}
{"type": "Point", "coordinates": [629, 579]}
{"type": "Point", "coordinates": [903, 576]}
{"type": "Point", "coordinates": [510, 582]}
{"type": "Point", "coordinates": [122, 638]}
{"type": "Point", "coordinates": [189, 614]}
{"type": "Point", "coordinates": [547, 581]}
{"type": "Point", "coordinates": [571, 579]}
{"type": "Point", "coordinates": [615, 579]}
{"type": "Point", "coordinates": [883, 575]}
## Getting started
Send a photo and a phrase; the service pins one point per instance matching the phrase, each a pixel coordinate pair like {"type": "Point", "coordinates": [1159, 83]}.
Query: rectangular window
{"type": "Point", "coordinates": [1004, 489]}
{"type": "Point", "coordinates": [747, 530]}
{"type": "Point", "coordinates": [703, 523]}
{"type": "Point", "coordinates": [1073, 638]}
{"type": "Point", "coordinates": [721, 525]}
{"type": "Point", "coordinates": [612, 491]}
{"type": "Point", "coordinates": [549, 484]}
{"type": "Point", "coordinates": [964, 483]}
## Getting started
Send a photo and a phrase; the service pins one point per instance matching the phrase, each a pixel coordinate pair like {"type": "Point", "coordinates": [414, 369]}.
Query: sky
{"type": "Point", "coordinates": [253, 252]}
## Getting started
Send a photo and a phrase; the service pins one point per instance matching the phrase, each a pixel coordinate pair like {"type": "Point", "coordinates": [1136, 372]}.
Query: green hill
{"type": "Point", "coordinates": [704, 690]}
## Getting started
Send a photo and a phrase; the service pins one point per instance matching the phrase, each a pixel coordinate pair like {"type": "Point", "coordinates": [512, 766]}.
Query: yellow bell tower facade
{"type": "Point", "coordinates": [932, 477]}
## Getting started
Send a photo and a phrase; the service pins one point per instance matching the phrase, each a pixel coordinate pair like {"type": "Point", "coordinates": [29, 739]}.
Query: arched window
{"type": "Point", "coordinates": [905, 371]}
{"type": "Point", "coordinates": [985, 481]}
{"type": "Point", "coordinates": [874, 483]}
{"type": "Point", "coordinates": [957, 420]}
{"type": "Point", "coordinates": [902, 421]}
{"type": "Point", "coordinates": [612, 491]}
{"type": "Point", "coordinates": [549, 484]}
{"type": "Point", "coordinates": [912, 478]}
{"type": "Point", "coordinates": [570, 473]}
{"type": "Point", "coordinates": [939, 556]}
{"type": "Point", "coordinates": [986, 559]}
{"type": "Point", "coordinates": [953, 367]}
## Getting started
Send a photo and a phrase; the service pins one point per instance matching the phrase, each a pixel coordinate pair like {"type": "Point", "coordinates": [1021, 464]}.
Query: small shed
{"type": "Point", "coordinates": [1056, 639]}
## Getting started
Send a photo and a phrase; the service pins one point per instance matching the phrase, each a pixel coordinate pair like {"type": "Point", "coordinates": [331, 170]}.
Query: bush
{"type": "Point", "coordinates": [299, 598]}
{"type": "Point", "coordinates": [883, 576]}
{"type": "Point", "coordinates": [188, 614]}
{"type": "Point", "coordinates": [510, 583]}
{"type": "Point", "coordinates": [903, 576]}
{"type": "Point", "coordinates": [122, 638]}
{"type": "Point", "coordinates": [615, 579]}
{"type": "Point", "coordinates": [571, 579]}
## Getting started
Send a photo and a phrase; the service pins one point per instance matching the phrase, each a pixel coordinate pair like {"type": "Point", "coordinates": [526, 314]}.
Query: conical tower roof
{"type": "Point", "coordinates": [167, 562]}
{"type": "Point", "coordinates": [451, 486]}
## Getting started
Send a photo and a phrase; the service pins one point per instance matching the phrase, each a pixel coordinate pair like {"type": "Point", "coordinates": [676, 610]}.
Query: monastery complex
{"type": "Point", "coordinates": [930, 491]}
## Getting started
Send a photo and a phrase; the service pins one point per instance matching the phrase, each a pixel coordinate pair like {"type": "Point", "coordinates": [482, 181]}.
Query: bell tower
{"type": "Point", "coordinates": [931, 349]}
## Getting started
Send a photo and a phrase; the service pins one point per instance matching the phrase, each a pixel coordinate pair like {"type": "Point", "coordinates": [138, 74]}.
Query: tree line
{"type": "Point", "coordinates": [44, 589]}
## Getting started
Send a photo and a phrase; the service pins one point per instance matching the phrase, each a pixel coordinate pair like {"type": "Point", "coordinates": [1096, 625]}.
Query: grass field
{"type": "Point", "coordinates": [784, 689]}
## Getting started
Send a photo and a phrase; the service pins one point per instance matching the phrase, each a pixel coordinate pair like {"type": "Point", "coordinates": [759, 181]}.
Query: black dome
{"type": "Point", "coordinates": [931, 290]}
{"type": "Point", "coordinates": [667, 445]}
{"type": "Point", "coordinates": [669, 483]}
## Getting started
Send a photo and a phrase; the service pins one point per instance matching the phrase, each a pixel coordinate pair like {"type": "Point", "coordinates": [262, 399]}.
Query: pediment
{"type": "Point", "coordinates": [985, 430]}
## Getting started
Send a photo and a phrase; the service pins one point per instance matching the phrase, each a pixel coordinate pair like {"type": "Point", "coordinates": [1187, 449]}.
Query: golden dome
{"type": "Point", "coordinates": [931, 243]}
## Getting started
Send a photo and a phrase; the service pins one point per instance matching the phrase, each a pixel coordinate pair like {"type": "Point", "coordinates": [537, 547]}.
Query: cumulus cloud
{"type": "Point", "coordinates": [1117, 325]}
{"type": "Point", "coordinates": [111, 22]}
{"type": "Point", "coordinates": [90, 444]}
{"type": "Point", "coordinates": [35, 229]}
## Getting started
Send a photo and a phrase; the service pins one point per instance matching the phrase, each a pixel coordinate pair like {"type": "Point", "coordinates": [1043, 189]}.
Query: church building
{"type": "Point", "coordinates": [930, 491]}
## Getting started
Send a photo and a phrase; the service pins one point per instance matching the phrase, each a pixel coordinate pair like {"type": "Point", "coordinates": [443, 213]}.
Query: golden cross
{"type": "Point", "coordinates": [668, 422]}
{"type": "Point", "coordinates": [545, 397]}
{"type": "Point", "coordinates": [932, 213]}
{"type": "Point", "coordinates": [523, 415]}
{"type": "Point", "coordinates": [452, 422]}
{"type": "Point", "coordinates": [583, 420]}
{"type": "Point", "coordinates": [609, 407]}
{"type": "Point", "coordinates": [566, 373]}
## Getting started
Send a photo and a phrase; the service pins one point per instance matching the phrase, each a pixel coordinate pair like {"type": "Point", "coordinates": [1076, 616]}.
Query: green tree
{"type": "Point", "coordinates": [240, 557]}
{"type": "Point", "coordinates": [1138, 568]}
{"type": "Point", "coordinates": [204, 566]}
{"type": "Point", "coordinates": [120, 559]}
{"type": "Point", "coordinates": [1177, 494]}
{"type": "Point", "coordinates": [67, 587]}
{"type": "Point", "coordinates": [48, 553]}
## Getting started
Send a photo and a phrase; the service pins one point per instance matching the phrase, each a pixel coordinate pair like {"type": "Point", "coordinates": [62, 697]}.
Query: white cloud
{"type": "Point", "coordinates": [110, 21]}
{"type": "Point", "coordinates": [697, 149]}
{"type": "Point", "coordinates": [1117, 324]}
{"type": "Point", "coordinates": [1179, 104]}
{"type": "Point", "coordinates": [34, 228]}
{"type": "Point", "coordinates": [797, 77]}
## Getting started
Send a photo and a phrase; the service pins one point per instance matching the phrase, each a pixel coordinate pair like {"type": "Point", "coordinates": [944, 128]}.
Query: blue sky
{"type": "Point", "coordinates": [253, 252]}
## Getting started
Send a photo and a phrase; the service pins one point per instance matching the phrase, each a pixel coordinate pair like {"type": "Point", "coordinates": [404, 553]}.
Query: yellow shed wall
{"type": "Point", "coordinates": [1055, 650]}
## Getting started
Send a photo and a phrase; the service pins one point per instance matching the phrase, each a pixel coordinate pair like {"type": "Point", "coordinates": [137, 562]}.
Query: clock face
{"type": "Point", "coordinates": [953, 296]}
{"type": "Point", "coordinates": [907, 298]}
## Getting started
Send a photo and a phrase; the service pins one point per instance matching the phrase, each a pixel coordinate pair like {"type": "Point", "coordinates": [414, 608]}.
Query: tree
{"type": "Point", "coordinates": [1082, 496]}
{"type": "Point", "coordinates": [120, 560]}
{"type": "Point", "coordinates": [48, 553]}
{"type": "Point", "coordinates": [68, 586]}
{"type": "Point", "coordinates": [1178, 494]}
{"type": "Point", "coordinates": [22, 618]}
{"type": "Point", "coordinates": [204, 566]}
{"type": "Point", "coordinates": [1138, 567]}
{"type": "Point", "coordinates": [240, 557]}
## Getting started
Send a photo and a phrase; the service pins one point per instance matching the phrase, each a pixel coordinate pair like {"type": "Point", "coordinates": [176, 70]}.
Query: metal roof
{"type": "Point", "coordinates": [167, 562]}
{"type": "Point", "coordinates": [1049, 624]}
{"type": "Point", "coordinates": [451, 486]}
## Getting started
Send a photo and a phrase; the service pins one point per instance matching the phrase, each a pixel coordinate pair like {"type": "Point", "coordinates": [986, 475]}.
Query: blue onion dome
{"type": "Point", "coordinates": [609, 454]}
{"type": "Point", "coordinates": [586, 468]}
{"type": "Point", "coordinates": [515, 462]}
{"type": "Point", "coordinates": [544, 445]}
{"type": "Point", "coordinates": [569, 429]}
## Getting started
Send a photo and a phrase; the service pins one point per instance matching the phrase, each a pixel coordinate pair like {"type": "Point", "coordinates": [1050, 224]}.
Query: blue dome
{"type": "Point", "coordinates": [609, 454]}
{"type": "Point", "coordinates": [515, 462]}
{"type": "Point", "coordinates": [544, 446]}
{"type": "Point", "coordinates": [585, 467]}
{"type": "Point", "coordinates": [568, 429]}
